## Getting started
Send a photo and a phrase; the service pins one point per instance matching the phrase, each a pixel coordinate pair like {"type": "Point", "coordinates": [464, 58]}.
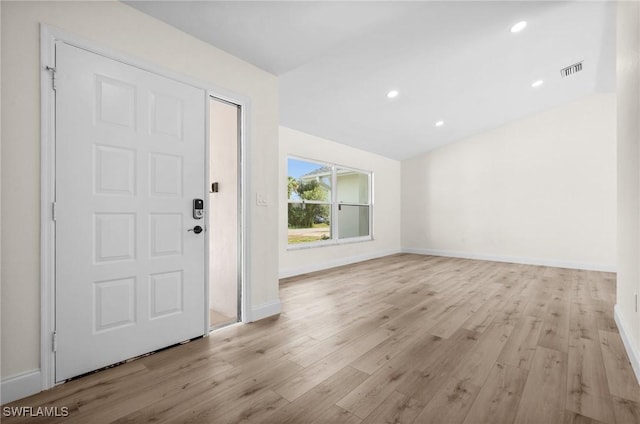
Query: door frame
{"type": "Point", "coordinates": [49, 35]}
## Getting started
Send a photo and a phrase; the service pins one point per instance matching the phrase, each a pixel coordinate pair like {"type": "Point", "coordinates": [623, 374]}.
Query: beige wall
{"type": "Point", "coordinates": [628, 66]}
{"type": "Point", "coordinates": [539, 190]}
{"type": "Point", "coordinates": [386, 209]}
{"type": "Point", "coordinates": [115, 26]}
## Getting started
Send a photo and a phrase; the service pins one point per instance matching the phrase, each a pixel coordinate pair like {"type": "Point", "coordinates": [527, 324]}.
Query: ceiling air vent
{"type": "Point", "coordinates": [570, 70]}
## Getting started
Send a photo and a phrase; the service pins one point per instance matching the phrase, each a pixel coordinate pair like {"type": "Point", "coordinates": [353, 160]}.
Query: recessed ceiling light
{"type": "Point", "coordinates": [537, 83]}
{"type": "Point", "coordinates": [392, 94]}
{"type": "Point", "coordinates": [439, 123]}
{"type": "Point", "coordinates": [519, 26]}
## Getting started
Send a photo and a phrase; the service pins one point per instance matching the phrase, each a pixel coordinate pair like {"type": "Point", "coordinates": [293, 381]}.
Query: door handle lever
{"type": "Point", "coordinates": [197, 229]}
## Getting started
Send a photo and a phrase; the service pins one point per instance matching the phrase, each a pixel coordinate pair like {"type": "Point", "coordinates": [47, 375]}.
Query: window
{"type": "Point", "coordinates": [327, 204]}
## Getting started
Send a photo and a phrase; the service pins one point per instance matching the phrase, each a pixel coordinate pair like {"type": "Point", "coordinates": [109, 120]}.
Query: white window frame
{"type": "Point", "coordinates": [335, 205]}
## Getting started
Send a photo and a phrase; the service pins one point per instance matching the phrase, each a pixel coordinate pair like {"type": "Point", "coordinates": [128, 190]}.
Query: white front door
{"type": "Point", "coordinates": [130, 160]}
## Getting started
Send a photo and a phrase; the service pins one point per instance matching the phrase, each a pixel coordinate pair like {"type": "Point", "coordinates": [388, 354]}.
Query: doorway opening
{"type": "Point", "coordinates": [225, 237]}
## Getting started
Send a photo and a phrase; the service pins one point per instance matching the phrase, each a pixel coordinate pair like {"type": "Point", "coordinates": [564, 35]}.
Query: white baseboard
{"type": "Point", "coordinates": [290, 272]}
{"type": "Point", "coordinates": [512, 259]}
{"type": "Point", "coordinates": [265, 310]}
{"type": "Point", "coordinates": [20, 386]}
{"type": "Point", "coordinates": [632, 352]}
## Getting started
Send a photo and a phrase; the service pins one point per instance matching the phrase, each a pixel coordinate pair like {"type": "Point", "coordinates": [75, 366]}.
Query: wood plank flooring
{"type": "Point", "coordinates": [401, 339]}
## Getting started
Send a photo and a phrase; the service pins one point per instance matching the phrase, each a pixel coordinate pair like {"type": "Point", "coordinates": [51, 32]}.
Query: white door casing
{"type": "Point", "coordinates": [130, 159]}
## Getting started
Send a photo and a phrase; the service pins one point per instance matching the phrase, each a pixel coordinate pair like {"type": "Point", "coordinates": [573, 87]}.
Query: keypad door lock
{"type": "Point", "coordinates": [198, 209]}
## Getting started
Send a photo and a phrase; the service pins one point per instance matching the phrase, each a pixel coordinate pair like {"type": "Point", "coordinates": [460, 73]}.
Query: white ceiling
{"type": "Point", "coordinates": [450, 60]}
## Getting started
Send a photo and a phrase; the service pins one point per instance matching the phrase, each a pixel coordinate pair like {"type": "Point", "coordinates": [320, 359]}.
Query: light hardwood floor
{"type": "Point", "coordinates": [402, 339]}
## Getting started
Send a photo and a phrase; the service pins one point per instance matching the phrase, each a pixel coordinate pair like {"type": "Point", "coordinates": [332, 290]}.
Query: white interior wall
{"type": "Point", "coordinates": [386, 209]}
{"type": "Point", "coordinates": [540, 190]}
{"type": "Point", "coordinates": [223, 209]}
{"type": "Point", "coordinates": [115, 26]}
{"type": "Point", "coordinates": [628, 80]}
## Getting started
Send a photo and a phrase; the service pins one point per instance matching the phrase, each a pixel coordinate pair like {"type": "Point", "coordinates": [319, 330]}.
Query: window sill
{"type": "Point", "coordinates": [327, 243]}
